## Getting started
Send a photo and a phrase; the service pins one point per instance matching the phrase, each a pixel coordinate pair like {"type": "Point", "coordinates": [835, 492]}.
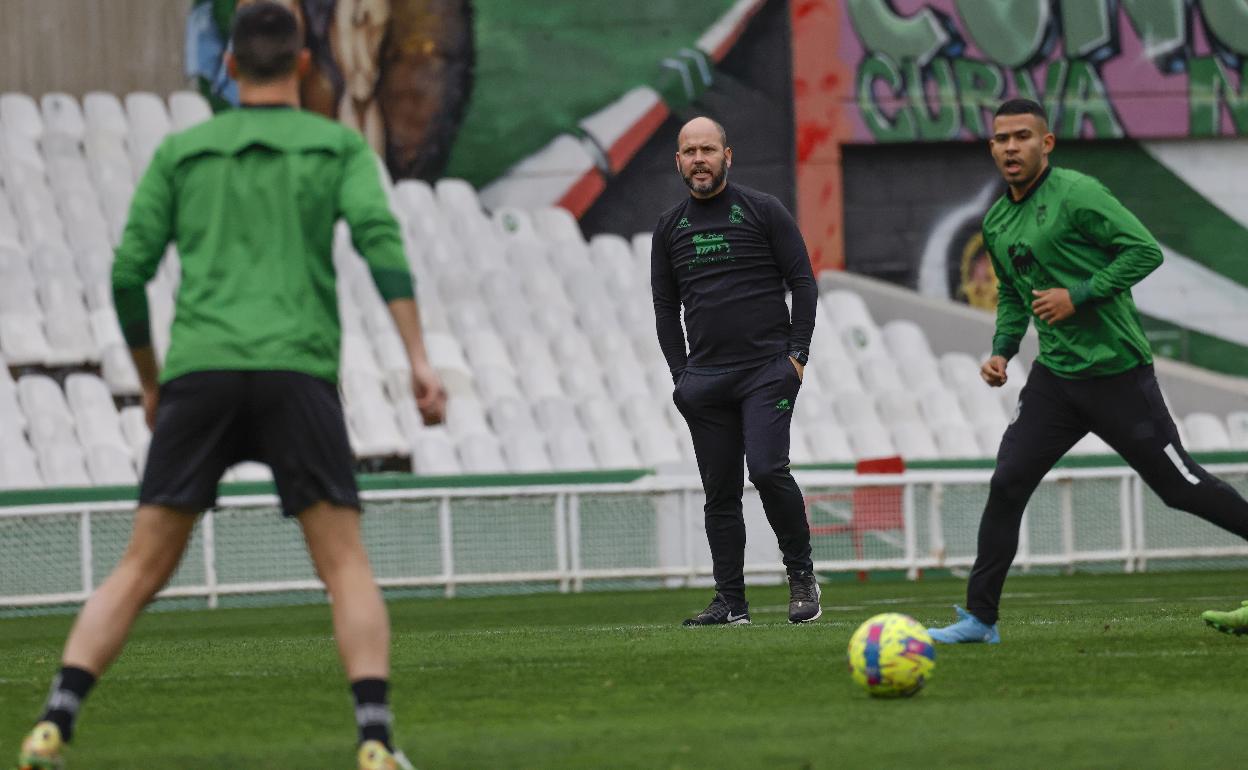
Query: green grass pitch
{"type": "Point", "coordinates": [1095, 671]}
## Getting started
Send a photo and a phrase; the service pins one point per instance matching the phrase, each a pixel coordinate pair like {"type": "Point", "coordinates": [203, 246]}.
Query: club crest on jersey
{"type": "Point", "coordinates": [1021, 257]}
{"type": "Point", "coordinates": [735, 215]}
{"type": "Point", "coordinates": [1042, 213]}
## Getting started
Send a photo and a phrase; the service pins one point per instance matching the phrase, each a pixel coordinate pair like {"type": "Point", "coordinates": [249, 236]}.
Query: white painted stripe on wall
{"type": "Point", "coordinates": [1187, 293]}
{"type": "Point", "coordinates": [1212, 167]}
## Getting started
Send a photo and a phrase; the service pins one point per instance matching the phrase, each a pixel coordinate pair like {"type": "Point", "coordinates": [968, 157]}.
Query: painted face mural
{"type": "Point", "coordinates": [400, 71]}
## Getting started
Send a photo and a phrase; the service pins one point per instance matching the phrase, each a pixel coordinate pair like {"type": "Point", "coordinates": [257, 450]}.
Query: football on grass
{"type": "Point", "coordinates": [891, 655]}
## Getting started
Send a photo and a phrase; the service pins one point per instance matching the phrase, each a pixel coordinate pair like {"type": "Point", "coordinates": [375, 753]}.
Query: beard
{"type": "Point", "coordinates": [717, 179]}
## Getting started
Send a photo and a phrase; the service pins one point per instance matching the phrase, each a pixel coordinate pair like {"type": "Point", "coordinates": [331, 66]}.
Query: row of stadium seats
{"type": "Point", "coordinates": [545, 340]}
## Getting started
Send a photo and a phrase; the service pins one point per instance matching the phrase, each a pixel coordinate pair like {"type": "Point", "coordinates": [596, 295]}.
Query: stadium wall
{"type": "Point", "coordinates": [76, 46]}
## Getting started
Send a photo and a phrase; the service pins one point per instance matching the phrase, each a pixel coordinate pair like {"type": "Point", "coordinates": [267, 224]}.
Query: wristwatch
{"type": "Point", "coordinates": [800, 356]}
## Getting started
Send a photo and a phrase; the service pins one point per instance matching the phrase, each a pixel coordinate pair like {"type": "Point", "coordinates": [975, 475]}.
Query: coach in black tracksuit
{"type": "Point", "coordinates": [726, 254]}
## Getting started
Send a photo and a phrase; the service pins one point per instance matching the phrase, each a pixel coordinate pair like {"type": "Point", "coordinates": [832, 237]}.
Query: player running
{"type": "Point", "coordinates": [1067, 252]}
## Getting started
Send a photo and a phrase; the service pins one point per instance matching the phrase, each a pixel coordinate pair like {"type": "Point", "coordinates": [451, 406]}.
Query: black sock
{"type": "Point", "coordinates": [69, 689]}
{"type": "Point", "coordinates": [372, 715]}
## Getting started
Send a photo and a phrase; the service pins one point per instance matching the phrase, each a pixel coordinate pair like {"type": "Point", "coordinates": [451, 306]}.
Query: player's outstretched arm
{"type": "Point", "coordinates": [426, 384]}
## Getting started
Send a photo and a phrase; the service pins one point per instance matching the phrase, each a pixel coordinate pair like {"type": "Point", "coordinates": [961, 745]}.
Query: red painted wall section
{"type": "Point", "coordinates": [822, 87]}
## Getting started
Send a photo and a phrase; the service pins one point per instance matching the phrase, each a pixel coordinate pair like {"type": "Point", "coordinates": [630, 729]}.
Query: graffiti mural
{"type": "Point", "coordinates": [1103, 69]}
{"type": "Point", "coordinates": [533, 104]}
{"type": "Point", "coordinates": [934, 70]}
{"type": "Point", "coordinates": [399, 71]}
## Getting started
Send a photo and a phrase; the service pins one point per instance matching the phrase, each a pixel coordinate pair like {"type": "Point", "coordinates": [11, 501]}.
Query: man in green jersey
{"type": "Point", "coordinates": [1067, 252]}
{"type": "Point", "coordinates": [251, 198]}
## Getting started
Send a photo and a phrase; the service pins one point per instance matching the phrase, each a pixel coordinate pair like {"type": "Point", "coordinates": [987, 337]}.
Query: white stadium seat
{"type": "Point", "coordinates": [879, 373]}
{"type": "Point", "coordinates": [557, 224]}
{"type": "Point", "coordinates": [188, 108]}
{"type": "Point", "coordinates": [482, 453]}
{"type": "Point", "coordinates": [957, 441]}
{"type": "Point", "coordinates": [989, 434]}
{"type": "Point", "coordinates": [134, 429]}
{"type": "Point", "coordinates": [657, 445]}
{"type": "Point", "coordinates": [906, 340]}
{"type": "Point", "coordinates": [108, 464]}
{"type": "Point", "coordinates": [62, 117]}
{"type": "Point", "coordinates": [19, 468]}
{"type": "Point", "coordinates": [249, 471]}
{"type": "Point", "coordinates": [613, 448]}
{"type": "Point", "coordinates": [914, 441]}
{"type": "Point", "coordinates": [940, 407]}
{"type": "Point", "coordinates": [979, 402]}
{"type": "Point", "coordinates": [898, 406]}
{"type": "Point", "coordinates": [12, 418]}
{"type": "Point", "coordinates": [855, 408]}
{"type": "Point", "coordinates": [63, 465]}
{"type": "Point", "coordinates": [526, 452]}
{"type": "Point", "coordinates": [1237, 429]}
{"type": "Point", "coordinates": [104, 114]}
{"type": "Point", "coordinates": [19, 113]}
{"type": "Point", "coordinates": [570, 450]}
{"type": "Point", "coordinates": [434, 454]}
{"type": "Point", "coordinates": [514, 223]}
{"type": "Point", "coordinates": [1206, 433]}
{"type": "Point", "coordinates": [512, 414]}
{"type": "Point", "coordinates": [544, 340]}
{"type": "Point", "coordinates": [870, 440]}
{"type": "Point", "coordinates": [1091, 444]}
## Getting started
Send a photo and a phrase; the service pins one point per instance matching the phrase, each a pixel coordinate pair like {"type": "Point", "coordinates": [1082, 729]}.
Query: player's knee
{"type": "Point", "coordinates": [769, 474]}
{"type": "Point", "coordinates": [149, 572]}
{"type": "Point", "coordinates": [1007, 485]}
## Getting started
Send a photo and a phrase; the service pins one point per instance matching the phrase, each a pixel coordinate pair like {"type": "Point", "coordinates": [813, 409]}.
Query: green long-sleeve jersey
{"type": "Point", "coordinates": [1070, 232]}
{"type": "Point", "coordinates": [251, 198]}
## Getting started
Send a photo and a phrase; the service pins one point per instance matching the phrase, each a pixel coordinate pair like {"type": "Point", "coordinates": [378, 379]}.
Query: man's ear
{"type": "Point", "coordinates": [231, 66]}
{"type": "Point", "coordinates": [727, 157]}
{"type": "Point", "coordinates": [303, 65]}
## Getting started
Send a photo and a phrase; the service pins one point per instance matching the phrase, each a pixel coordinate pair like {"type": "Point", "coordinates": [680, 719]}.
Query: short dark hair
{"type": "Point", "coordinates": [1022, 107]}
{"type": "Point", "coordinates": [266, 42]}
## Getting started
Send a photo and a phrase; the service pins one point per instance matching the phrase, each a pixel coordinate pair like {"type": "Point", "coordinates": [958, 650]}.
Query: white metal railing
{"type": "Point", "coordinates": [925, 530]}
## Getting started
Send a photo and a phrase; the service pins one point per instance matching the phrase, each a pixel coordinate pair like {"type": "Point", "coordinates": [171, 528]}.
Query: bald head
{"type": "Point", "coordinates": [703, 157]}
{"type": "Point", "coordinates": [701, 125]}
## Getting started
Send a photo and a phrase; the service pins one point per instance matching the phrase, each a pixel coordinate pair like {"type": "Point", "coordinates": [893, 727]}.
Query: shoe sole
{"type": "Point", "coordinates": [738, 622]}
{"type": "Point", "coordinates": [1227, 629]}
{"type": "Point", "coordinates": [818, 614]}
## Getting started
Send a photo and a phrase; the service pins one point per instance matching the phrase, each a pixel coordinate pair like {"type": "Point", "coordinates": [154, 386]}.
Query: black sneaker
{"type": "Point", "coordinates": [720, 613]}
{"type": "Point", "coordinates": [803, 597]}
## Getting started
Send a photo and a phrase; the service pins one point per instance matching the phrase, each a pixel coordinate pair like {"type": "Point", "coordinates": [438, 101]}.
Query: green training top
{"type": "Point", "coordinates": [251, 198]}
{"type": "Point", "coordinates": [1070, 232]}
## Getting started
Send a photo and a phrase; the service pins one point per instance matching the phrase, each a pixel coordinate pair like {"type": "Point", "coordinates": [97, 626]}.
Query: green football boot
{"type": "Point", "coordinates": [1233, 622]}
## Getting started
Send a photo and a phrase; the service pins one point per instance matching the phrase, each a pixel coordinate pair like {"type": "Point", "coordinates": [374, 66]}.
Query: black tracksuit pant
{"type": "Point", "coordinates": [1127, 411]}
{"type": "Point", "coordinates": [748, 413]}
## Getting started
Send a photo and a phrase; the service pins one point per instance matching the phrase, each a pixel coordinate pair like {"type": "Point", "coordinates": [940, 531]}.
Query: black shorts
{"type": "Point", "coordinates": [209, 421]}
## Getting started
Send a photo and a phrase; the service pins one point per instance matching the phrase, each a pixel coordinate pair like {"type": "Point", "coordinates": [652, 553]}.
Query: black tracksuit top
{"type": "Point", "coordinates": [728, 260]}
